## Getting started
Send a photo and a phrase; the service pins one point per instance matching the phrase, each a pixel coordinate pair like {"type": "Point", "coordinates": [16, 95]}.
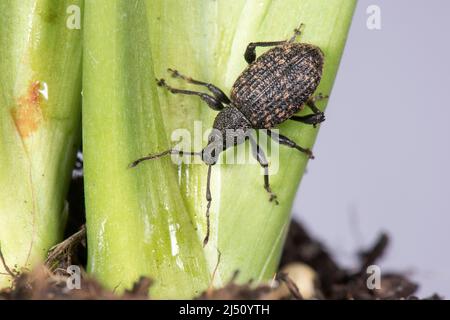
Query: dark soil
{"type": "Point", "coordinates": [334, 281]}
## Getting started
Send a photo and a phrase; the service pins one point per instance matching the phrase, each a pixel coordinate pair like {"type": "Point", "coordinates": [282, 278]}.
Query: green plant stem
{"type": "Point", "coordinates": [137, 223]}
{"type": "Point", "coordinates": [40, 86]}
{"type": "Point", "coordinates": [150, 220]}
{"type": "Point", "coordinates": [206, 40]}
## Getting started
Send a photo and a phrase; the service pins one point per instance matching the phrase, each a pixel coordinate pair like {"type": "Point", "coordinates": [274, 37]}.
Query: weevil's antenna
{"type": "Point", "coordinates": [162, 154]}
{"type": "Point", "coordinates": [208, 206]}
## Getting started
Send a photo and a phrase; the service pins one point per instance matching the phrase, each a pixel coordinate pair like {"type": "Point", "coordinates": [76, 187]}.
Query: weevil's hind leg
{"type": "Point", "coordinates": [217, 93]}
{"type": "Point", "coordinates": [259, 155]}
{"type": "Point", "coordinates": [283, 140]}
{"type": "Point", "coordinates": [250, 52]}
{"type": "Point", "coordinates": [212, 102]}
{"type": "Point", "coordinates": [317, 116]}
{"type": "Point", "coordinates": [208, 206]}
{"type": "Point", "coordinates": [162, 154]}
{"type": "Point", "coordinates": [297, 33]}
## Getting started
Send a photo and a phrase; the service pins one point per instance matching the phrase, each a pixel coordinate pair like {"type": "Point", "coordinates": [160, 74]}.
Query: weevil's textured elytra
{"type": "Point", "coordinates": [278, 84]}
{"type": "Point", "coordinates": [268, 92]}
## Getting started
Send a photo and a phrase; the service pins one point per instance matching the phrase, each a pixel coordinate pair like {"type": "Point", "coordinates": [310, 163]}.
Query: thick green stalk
{"type": "Point", "coordinates": [40, 85]}
{"type": "Point", "coordinates": [206, 40]}
{"type": "Point", "coordinates": [148, 220]}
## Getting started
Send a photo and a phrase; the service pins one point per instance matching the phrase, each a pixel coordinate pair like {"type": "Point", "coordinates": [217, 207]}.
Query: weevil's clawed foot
{"type": "Point", "coordinates": [297, 32]}
{"type": "Point", "coordinates": [309, 153]}
{"type": "Point", "coordinates": [314, 119]}
{"type": "Point", "coordinates": [133, 164]}
{"type": "Point", "coordinates": [320, 97]}
{"type": "Point", "coordinates": [208, 224]}
{"type": "Point", "coordinates": [320, 117]}
{"type": "Point", "coordinates": [161, 83]}
{"type": "Point", "coordinates": [205, 241]}
{"type": "Point", "coordinates": [174, 73]}
{"type": "Point", "coordinates": [151, 157]}
{"type": "Point", "coordinates": [272, 196]}
{"type": "Point", "coordinates": [299, 29]}
{"type": "Point", "coordinates": [177, 74]}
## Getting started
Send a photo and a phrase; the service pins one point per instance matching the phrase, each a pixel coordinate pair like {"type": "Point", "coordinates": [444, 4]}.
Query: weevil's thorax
{"type": "Point", "coordinates": [230, 128]}
{"type": "Point", "coordinates": [278, 83]}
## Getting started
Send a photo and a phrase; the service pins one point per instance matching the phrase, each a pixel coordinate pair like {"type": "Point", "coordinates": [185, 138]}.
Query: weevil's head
{"type": "Point", "coordinates": [230, 128]}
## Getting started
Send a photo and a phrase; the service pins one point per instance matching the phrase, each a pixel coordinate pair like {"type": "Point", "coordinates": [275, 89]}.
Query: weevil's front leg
{"type": "Point", "coordinates": [217, 93]}
{"type": "Point", "coordinates": [288, 142]}
{"type": "Point", "coordinates": [250, 52]}
{"type": "Point", "coordinates": [212, 102]}
{"type": "Point", "coordinates": [208, 206]}
{"type": "Point", "coordinates": [259, 155]}
{"type": "Point", "coordinates": [317, 116]}
{"type": "Point", "coordinates": [162, 154]}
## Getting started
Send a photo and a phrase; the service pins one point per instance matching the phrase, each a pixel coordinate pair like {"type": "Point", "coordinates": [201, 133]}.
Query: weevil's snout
{"type": "Point", "coordinates": [210, 156]}
{"type": "Point", "coordinates": [211, 152]}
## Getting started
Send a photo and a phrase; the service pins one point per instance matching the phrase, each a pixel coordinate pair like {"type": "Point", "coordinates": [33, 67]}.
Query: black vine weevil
{"type": "Point", "coordinates": [268, 92]}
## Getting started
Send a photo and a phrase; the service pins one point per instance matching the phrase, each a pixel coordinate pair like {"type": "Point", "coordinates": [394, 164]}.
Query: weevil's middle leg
{"type": "Point", "coordinates": [212, 102]}
{"type": "Point", "coordinates": [218, 93]}
{"type": "Point", "coordinates": [258, 153]}
{"type": "Point", "coordinates": [288, 142]}
{"type": "Point", "coordinates": [208, 206]}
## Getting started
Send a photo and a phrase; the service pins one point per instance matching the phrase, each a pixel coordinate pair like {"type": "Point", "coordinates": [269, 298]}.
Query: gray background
{"type": "Point", "coordinates": [383, 155]}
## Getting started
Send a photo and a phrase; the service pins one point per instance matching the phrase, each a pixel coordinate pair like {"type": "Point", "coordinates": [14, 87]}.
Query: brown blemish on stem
{"type": "Point", "coordinates": [27, 114]}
